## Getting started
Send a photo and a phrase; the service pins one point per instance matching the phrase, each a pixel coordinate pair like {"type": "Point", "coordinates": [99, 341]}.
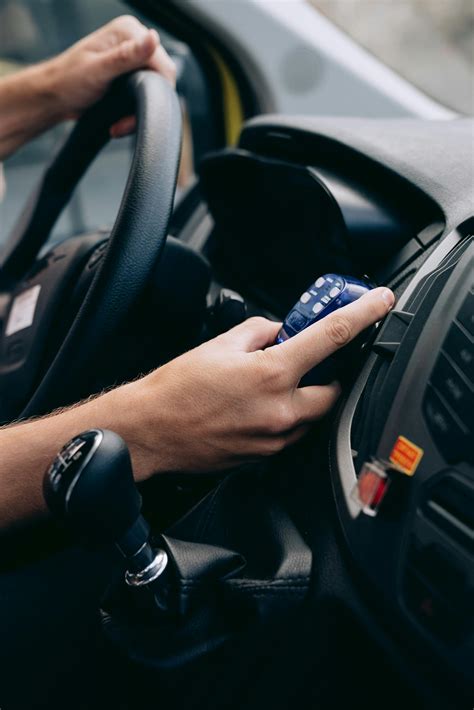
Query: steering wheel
{"type": "Point", "coordinates": [136, 241]}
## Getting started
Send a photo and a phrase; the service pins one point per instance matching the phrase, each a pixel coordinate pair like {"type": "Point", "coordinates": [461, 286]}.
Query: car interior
{"type": "Point", "coordinates": [337, 573]}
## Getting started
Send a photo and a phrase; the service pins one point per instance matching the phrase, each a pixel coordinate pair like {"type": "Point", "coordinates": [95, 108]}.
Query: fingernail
{"type": "Point", "coordinates": [388, 297]}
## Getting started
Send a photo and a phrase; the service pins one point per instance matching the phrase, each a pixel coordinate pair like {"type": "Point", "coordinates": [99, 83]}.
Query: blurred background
{"type": "Point", "coordinates": [428, 42]}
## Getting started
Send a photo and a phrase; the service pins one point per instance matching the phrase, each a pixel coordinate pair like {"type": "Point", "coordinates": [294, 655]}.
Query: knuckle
{"type": "Point", "coordinates": [128, 22]}
{"type": "Point", "coordinates": [338, 330]}
{"type": "Point", "coordinates": [124, 52]}
{"type": "Point", "coordinates": [256, 322]}
{"type": "Point", "coordinates": [282, 418]}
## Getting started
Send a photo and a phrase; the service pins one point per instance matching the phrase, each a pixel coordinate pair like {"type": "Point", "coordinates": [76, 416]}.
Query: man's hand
{"type": "Point", "coordinates": [42, 95]}
{"type": "Point", "coordinates": [81, 75]}
{"type": "Point", "coordinates": [236, 397]}
{"type": "Point", "coordinates": [233, 399]}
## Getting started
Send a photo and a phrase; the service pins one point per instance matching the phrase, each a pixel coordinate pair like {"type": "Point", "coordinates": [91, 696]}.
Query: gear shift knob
{"type": "Point", "coordinates": [90, 483]}
{"type": "Point", "coordinates": [90, 486]}
{"type": "Point", "coordinates": [229, 310]}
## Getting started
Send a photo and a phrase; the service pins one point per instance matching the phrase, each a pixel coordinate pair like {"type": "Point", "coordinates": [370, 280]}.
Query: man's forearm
{"type": "Point", "coordinates": [228, 401]}
{"type": "Point", "coordinates": [27, 449]}
{"type": "Point", "coordinates": [28, 106]}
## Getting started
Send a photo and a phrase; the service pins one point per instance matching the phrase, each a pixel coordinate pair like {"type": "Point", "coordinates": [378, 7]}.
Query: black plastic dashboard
{"type": "Point", "coordinates": [300, 198]}
{"type": "Point", "coordinates": [418, 551]}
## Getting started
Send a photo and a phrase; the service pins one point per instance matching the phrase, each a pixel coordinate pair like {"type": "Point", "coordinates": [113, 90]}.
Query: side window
{"type": "Point", "coordinates": [31, 31]}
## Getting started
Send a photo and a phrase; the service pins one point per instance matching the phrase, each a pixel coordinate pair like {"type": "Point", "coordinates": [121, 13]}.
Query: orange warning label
{"type": "Point", "coordinates": [406, 455]}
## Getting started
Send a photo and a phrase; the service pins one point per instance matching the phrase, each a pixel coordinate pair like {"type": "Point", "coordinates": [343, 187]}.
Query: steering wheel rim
{"type": "Point", "coordinates": [137, 237]}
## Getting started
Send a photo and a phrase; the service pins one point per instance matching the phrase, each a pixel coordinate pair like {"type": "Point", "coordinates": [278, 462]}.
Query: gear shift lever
{"type": "Point", "coordinates": [90, 485]}
{"type": "Point", "coordinates": [229, 309]}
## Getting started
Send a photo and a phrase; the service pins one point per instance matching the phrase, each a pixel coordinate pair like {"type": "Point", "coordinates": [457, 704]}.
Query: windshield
{"type": "Point", "coordinates": [428, 42]}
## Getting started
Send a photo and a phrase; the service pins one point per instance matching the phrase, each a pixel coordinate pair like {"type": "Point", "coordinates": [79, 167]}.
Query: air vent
{"type": "Point", "coordinates": [450, 506]}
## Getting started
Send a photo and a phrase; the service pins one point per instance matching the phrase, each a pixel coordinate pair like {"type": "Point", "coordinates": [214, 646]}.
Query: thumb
{"type": "Point", "coordinates": [126, 56]}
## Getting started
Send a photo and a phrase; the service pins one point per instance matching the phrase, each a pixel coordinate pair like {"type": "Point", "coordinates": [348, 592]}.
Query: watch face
{"type": "Point", "coordinates": [63, 472]}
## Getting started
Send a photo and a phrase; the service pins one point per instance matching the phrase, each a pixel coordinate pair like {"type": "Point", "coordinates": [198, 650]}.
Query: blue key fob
{"type": "Point", "coordinates": [324, 296]}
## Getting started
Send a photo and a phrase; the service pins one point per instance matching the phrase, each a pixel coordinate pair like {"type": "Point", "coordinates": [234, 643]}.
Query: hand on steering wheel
{"type": "Point", "coordinates": [136, 240]}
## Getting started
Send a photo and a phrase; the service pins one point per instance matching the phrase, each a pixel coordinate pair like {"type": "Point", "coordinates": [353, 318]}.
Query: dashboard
{"type": "Point", "coordinates": [417, 388]}
{"type": "Point", "coordinates": [299, 197]}
{"type": "Point", "coordinates": [296, 199]}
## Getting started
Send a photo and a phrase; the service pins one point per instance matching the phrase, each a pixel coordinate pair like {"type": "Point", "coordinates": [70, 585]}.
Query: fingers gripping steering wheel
{"type": "Point", "coordinates": [137, 237]}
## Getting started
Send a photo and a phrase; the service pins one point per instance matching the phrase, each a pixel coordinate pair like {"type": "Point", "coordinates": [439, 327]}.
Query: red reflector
{"type": "Point", "coordinates": [371, 487]}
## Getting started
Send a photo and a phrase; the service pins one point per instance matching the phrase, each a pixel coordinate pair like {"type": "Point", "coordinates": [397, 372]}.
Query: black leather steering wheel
{"type": "Point", "coordinates": [137, 237]}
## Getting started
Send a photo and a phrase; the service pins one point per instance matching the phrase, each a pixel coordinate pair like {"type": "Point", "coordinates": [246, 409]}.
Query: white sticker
{"type": "Point", "coordinates": [22, 313]}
